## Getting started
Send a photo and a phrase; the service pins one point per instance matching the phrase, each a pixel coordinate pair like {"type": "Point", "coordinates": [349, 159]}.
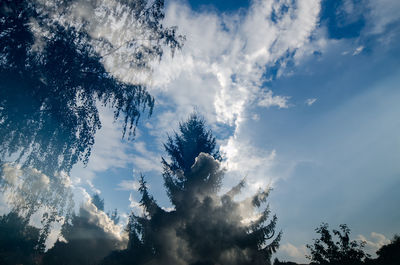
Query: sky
{"type": "Point", "coordinates": [302, 96]}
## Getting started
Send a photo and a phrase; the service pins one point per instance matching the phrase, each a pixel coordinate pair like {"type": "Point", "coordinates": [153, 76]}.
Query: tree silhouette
{"type": "Point", "coordinates": [19, 242]}
{"type": "Point", "coordinates": [204, 227]}
{"type": "Point", "coordinates": [389, 254]}
{"type": "Point", "coordinates": [344, 251]}
{"type": "Point", "coordinates": [28, 191]}
{"type": "Point", "coordinates": [182, 149]}
{"type": "Point", "coordinates": [52, 83]}
{"type": "Point", "coordinates": [53, 80]}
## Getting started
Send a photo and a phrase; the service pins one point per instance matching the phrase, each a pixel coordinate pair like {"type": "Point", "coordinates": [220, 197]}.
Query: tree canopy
{"type": "Point", "coordinates": [53, 78]}
{"type": "Point", "coordinates": [389, 254]}
{"type": "Point", "coordinates": [183, 148]}
{"type": "Point", "coordinates": [343, 251]}
{"type": "Point", "coordinates": [19, 242]}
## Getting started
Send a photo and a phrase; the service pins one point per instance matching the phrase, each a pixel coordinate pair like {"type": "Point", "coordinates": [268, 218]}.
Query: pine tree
{"type": "Point", "coordinates": [204, 227]}
{"type": "Point", "coordinates": [183, 148]}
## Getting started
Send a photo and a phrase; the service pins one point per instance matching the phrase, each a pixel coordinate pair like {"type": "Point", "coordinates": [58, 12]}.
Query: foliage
{"type": "Point", "coordinates": [389, 254]}
{"type": "Point", "coordinates": [204, 227]}
{"type": "Point", "coordinates": [28, 191]}
{"type": "Point", "coordinates": [19, 242]}
{"type": "Point", "coordinates": [344, 251]}
{"type": "Point", "coordinates": [182, 149]}
{"type": "Point", "coordinates": [277, 262]}
{"type": "Point", "coordinates": [53, 79]}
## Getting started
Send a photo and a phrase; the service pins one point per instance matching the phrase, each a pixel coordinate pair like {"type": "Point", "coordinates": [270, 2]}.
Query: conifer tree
{"type": "Point", "coordinates": [204, 227]}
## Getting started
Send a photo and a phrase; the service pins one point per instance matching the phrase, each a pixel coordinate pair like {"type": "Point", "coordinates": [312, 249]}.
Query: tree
{"type": "Point", "coordinates": [53, 78]}
{"type": "Point", "coordinates": [389, 254]}
{"type": "Point", "coordinates": [183, 149]}
{"type": "Point", "coordinates": [19, 242]}
{"type": "Point", "coordinates": [344, 251]}
{"type": "Point", "coordinates": [28, 191]}
{"type": "Point", "coordinates": [277, 262]}
{"type": "Point", "coordinates": [204, 227]}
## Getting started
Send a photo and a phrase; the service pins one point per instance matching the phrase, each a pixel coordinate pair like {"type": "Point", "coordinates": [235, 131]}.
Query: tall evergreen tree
{"type": "Point", "coordinates": [183, 148]}
{"type": "Point", "coordinates": [204, 227]}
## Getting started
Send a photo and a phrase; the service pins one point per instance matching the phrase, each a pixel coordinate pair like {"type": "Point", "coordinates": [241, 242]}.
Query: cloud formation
{"type": "Point", "coordinates": [221, 68]}
{"type": "Point", "coordinates": [290, 252]}
{"type": "Point", "coordinates": [225, 57]}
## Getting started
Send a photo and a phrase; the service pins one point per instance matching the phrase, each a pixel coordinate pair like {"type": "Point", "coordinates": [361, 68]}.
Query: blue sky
{"type": "Point", "coordinates": [301, 95]}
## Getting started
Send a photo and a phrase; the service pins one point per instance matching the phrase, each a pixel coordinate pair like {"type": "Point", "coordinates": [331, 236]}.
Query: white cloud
{"type": "Point", "coordinates": [92, 187]}
{"type": "Point", "coordinates": [243, 159]}
{"type": "Point", "coordinates": [100, 219]}
{"type": "Point", "coordinates": [255, 117]}
{"type": "Point", "coordinates": [290, 252]}
{"type": "Point", "coordinates": [358, 50]}
{"type": "Point", "coordinates": [145, 160]}
{"type": "Point", "coordinates": [128, 185]}
{"type": "Point", "coordinates": [268, 100]}
{"type": "Point", "coordinates": [381, 14]}
{"type": "Point", "coordinates": [374, 242]}
{"type": "Point", "coordinates": [310, 101]}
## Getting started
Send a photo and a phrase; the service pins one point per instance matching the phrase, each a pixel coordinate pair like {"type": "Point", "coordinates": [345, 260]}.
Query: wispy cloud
{"type": "Point", "coordinates": [310, 101]}
{"type": "Point", "coordinates": [374, 242]}
{"type": "Point", "coordinates": [290, 252]}
{"type": "Point", "coordinates": [358, 50]}
{"type": "Point", "coordinates": [145, 160]}
{"type": "Point", "coordinates": [128, 185]}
